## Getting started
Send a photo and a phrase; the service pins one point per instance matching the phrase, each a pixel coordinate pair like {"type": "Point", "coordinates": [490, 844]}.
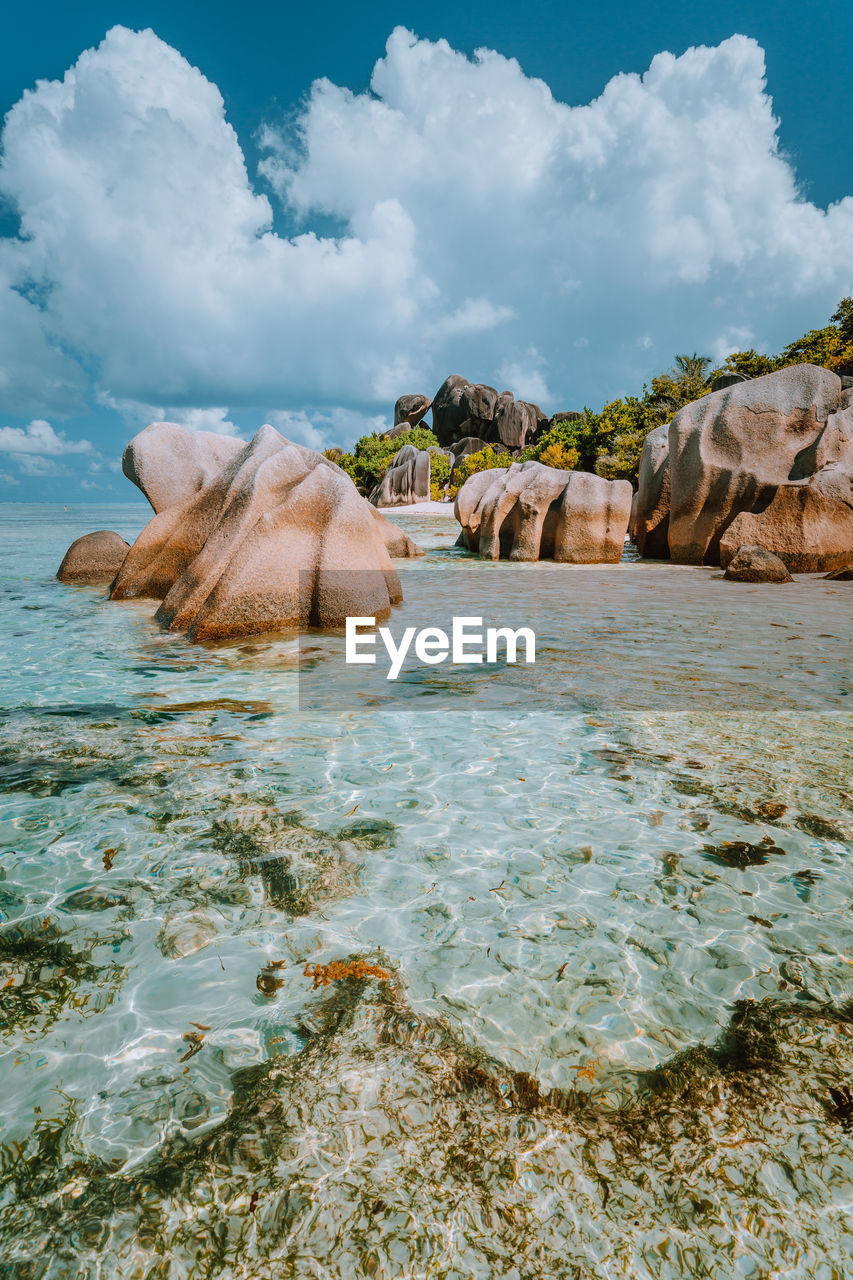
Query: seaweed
{"type": "Point", "coordinates": [41, 974]}
{"type": "Point", "coordinates": [277, 1187]}
{"type": "Point", "coordinates": [740, 854]}
{"type": "Point", "coordinates": [299, 866]}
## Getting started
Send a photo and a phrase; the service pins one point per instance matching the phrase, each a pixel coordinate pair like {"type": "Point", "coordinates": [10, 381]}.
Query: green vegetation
{"type": "Point", "coordinates": [494, 455]}
{"type": "Point", "coordinates": [372, 454]}
{"type": "Point", "coordinates": [439, 474]}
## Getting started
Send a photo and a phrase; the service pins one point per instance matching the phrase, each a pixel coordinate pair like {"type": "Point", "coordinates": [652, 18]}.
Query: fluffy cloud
{"type": "Point", "coordinates": [486, 228]}
{"type": "Point", "coordinates": [39, 438]}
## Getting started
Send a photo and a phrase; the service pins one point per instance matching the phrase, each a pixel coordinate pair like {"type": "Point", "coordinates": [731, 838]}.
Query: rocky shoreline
{"type": "Point", "coordinates": [265, 535]}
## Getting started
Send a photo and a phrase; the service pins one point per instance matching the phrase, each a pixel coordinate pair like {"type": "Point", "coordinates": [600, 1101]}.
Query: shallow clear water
{"type": "Point", "coordinates": [567, 874]}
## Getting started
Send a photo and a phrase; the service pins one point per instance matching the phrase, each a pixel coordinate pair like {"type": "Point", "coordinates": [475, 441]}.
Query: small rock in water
{"type": "Point", "coordinates": [842, 575]}
{"type": "Point", "coordinates": [754, 564]}
{"type": "Point", "coordinates": [182, 935]}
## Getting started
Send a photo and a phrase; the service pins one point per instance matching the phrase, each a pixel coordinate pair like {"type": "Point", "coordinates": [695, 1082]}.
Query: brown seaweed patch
{"type": "Point", "coordinates": [741, 854]}
{"type": "Point", "coordinates": [299, 866]}
{"type": "Point", "coordinates": [43, 976]}
{"type": "Point", "coordinates": [820, 828]}
{"type": "Point", "coordinates": [323, 1154]}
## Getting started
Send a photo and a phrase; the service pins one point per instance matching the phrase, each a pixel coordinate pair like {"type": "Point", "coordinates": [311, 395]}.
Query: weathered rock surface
{"type": "Point", "coordinates": [650, 513]}
{"type": "Point", "coordinates": [406, 480]}
{"type": "Point", "coordinates": [397, 543]}
{"type": "Point", "coordinates": [279, 539]}
{"type": "Point", "coordinates": [842, 575]}
{"type": "Point", "coordinates": [96, 557]}
{"type": "Point", "coordinates": [533, 512]}
{"type": "Point", "coordinates": [463, 409]}
{"type": "Point", "coordinates": [767, 461]}
{"type": "Point", "coordinates": [755, 564]}
{"type": "Point", "coordinates": [411, 410]}
{"type": "Point", "coordinates": [169, 462]}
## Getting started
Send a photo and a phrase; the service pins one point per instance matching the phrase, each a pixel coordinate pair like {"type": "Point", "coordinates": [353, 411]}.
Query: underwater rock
{"type": "Point", "coordinates": [533, 512]}
{"type": "Point", "coordinates": [184, 935]}
{"type": "Point", "coordinates": [170, 463]}
{"type": "Point", "coordinates": [280, 539]}
{"type": "Point", "coordinates": [96, 557]}
{"type": "Point", "coordinates": [756, 564]}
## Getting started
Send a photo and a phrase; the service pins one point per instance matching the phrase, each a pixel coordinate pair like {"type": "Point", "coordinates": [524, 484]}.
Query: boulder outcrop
{"type": "Point", "coordinates": [463, 409]}
{"type": "Point", "coordinates": [405, 481]}
{"type": "Point", "coordinates": [533, 512]}
{"type": "Point", "coordinates": [650, 514]}
{"type": "Point", "coordinates": [278, 539]}
{"type": "Point", "coordinates": [169, 462]}
{"type": "Point", "coordinates": [96, 557]}
{"type": "Point", "coordinates": [767, 461]}
{"type": "Point", "coordinates": [756, 564]}
{"type": "Point", "coordinates": [411, 410]}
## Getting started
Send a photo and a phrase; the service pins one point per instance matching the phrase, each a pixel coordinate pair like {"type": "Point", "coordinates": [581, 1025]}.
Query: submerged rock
{"type": "Point", "coordinates": [755, 564]}
{"type": "Point", "coordinates": [533, 512]}
{"type": "Point", "coordinates": [184, 935]}
{"type": "Point", "coordinates": [96, 557]}
{"type": "Point", "coordinates": [279, 539]}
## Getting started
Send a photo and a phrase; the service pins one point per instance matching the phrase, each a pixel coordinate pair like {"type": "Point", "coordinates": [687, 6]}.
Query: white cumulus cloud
{"type": "Point", "coordinates": [485, 228]}
{"type": "Point", "coordinates": [39, 438]}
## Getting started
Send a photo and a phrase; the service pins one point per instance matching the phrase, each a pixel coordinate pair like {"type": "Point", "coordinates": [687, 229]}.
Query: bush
{"type": "Point", "coordinates": [560, 455]}
{"type": "Point", "coordinates": [439, 474]}
{"type": "Point", "coordinates": [493, 456]}
{"type": "Point", "coordinates": [371, 455]}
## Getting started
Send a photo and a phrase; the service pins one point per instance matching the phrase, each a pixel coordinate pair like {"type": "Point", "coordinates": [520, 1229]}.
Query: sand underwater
{"type": "Point", "coordinates": [496, 972]}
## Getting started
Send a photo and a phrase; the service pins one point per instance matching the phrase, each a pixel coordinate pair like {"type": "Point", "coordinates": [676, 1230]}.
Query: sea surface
{"type": "Point", "coordinates": [497, 971]}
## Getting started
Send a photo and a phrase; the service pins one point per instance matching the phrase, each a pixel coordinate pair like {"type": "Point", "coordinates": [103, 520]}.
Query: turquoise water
{"type": "Point", "coordinates": [604, 904]}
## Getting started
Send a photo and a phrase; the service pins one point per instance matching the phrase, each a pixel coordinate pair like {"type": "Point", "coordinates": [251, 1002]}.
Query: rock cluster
{"type": "Point", "coordinates": [96, 557]}
{"type": "Point", "coordinates": [463, 408]}
{"type": "Point", "coordinates": [406, 479]}
{"type": "Point", "coordinates": [533, 512]}
{"type": "Point", "coordinates": [274, 537]}
{"type": "Point", "coordinates": [766, 462]}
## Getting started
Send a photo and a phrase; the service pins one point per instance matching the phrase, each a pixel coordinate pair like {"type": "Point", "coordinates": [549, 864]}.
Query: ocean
{"type": "Point", "coordinates": [492, 971]}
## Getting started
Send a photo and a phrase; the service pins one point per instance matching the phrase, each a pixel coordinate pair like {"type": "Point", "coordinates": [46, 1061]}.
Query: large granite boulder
{"type": "Point", "coordinates": [650, 513]}
{"type": "Point", "coordinates": [278, 539]}
{"type": "Point", "coordinates": [756, 564]}
{"type": "Point", "coordinates": [463, 409]}
{"type": "Point", "coordinates": [169, 462]}
{"type": "Point", "coordinates": [533, 512]}
{"type": "Point", "coordinates": [411, 410]}
{"type": "Point", "coordinates": [96, 557]}
{"type": "Point", "coordinates": [398, 544]}
{"type": "Point", "coordinates": [768, 461]}
{"type": "Point", "coordinates": [406, 480]}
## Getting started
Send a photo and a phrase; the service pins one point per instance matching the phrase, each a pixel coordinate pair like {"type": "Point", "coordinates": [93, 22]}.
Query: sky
{"type": "Point", "coordinates": [226, 216]}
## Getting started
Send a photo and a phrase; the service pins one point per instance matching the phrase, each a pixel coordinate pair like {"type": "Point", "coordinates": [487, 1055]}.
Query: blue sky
{"type": "Point", "coordinates": [190, 229]}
